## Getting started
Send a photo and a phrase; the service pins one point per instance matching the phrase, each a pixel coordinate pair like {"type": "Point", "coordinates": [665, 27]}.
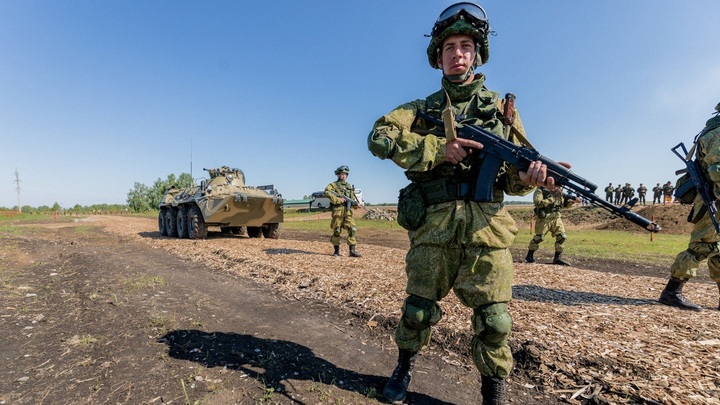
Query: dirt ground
{"type": "Point", "coordinates": [104, 310]}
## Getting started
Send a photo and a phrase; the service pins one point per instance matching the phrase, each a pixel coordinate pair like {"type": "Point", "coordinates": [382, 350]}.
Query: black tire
{"type": "Point", "coordinates": [237, 230]}
{"type": "Point", "coordinates": [254, 231]}
{"type": "Point", "coordinates": [161, 223]}
{"type": "Point", "coordinates": [182, 222]}
{"type": "Point", "coordinates": [197, 228]}
{"type": "Point", "coordinates": [271, 231]}
{"type": "Point", "coordinates": [226, 230]}
{"type": "Point", "coordinates": [171, 221]}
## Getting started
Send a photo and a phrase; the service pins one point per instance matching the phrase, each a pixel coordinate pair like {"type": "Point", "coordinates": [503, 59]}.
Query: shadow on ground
{"type": "Point", "coordinates": [274, 362]}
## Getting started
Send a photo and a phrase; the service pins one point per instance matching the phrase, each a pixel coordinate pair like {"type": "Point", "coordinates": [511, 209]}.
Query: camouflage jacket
{"type": "Point", "coordinates": [342, 188]}
{"type": "Point", "coordinates": [657, 190]}
{"type": "Point", "coordinates": [549, 201]}
{"type": "Point", "coordinates": [642, 190]}
{"type": "Point", "coordinates": [708, 152]}
{"type": "Point", "coordinates": [419, 147]}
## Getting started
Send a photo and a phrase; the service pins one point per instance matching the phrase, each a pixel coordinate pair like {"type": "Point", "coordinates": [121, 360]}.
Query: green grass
{"type": "Point", "coordinates": [595, 244]}
{"type": "Point", "coordinates": [617, 245]}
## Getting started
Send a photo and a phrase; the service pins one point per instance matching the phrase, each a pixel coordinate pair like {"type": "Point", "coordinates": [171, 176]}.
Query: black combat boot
{"type": "Point", "coordinates": [353, 252]}
{"type": "Point", "coordinates": [337, 250]}
{"type": "Point", "coordinates": [672, 295]}
{"type": "Point", "coordinates": [558, 260]}
{"type": "Point", "coordinates": [529, 258]}
{"type": "Point", "coordinates": [494, 391]}
{"type": "Point", "coordinates": [396, 388]}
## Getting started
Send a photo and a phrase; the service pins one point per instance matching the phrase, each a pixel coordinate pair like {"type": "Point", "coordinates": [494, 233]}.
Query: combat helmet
{"type": "Point", "coordinates": [342, 169]}
{"type": "Point", "coordinates": [717, 108]}
{"type": "Point", "coordinates": [461, 18]}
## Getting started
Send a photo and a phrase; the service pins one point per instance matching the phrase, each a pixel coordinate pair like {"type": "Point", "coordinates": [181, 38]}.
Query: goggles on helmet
{"type": "Point", "coordinates": [471, 12]}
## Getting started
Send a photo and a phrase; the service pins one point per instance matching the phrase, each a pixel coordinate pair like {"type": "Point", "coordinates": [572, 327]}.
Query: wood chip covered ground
{"type": "Point", "coordinates": [583, 336]}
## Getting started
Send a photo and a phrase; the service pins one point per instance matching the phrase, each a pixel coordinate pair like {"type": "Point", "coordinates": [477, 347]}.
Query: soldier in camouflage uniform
{"type": "Point", "coordinates": [627, 193]}
{"type": "Point", "coordinates": [342, 215]}
{"type": "Point", "coordinates": [668, 189]}
{"type": "Point", "coordinates": [609, 193]}
{"type": "Point", "coordinates": [657, 193]}
{"type": "Point", "coordinates": [456, 243]}
{"type": "Point", "coordinates": [548, 219]}
{"type": "Point", "coordinates": [618, 194]}
{"type": "Point", "coordinates": [703, 239]}
{"type": "Point", "coordinates": [642, 190]}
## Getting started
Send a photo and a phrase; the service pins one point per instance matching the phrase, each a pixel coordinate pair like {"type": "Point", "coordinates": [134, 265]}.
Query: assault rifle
{"type": "Point", "coordinates": [349, 202]}
{"type": "Point", "coordinates": [497, 150]}
{"type": "Point", "coordinates": [693, 168]}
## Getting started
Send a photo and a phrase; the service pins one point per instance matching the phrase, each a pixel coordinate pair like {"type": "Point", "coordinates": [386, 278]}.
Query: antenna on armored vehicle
{"type": "Point", "coordinates": [17, 180]}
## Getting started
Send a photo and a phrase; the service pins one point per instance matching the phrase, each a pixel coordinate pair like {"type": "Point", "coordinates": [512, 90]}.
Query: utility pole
{"type": "Point", "coordinates": [17, 180]}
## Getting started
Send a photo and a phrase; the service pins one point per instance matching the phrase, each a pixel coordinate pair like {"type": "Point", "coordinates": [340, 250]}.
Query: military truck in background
{"type": "Point", "coordinates": [225, 201]}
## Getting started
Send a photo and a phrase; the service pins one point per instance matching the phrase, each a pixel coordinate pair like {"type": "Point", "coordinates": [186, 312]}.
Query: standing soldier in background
{"type": "Point", "coordinates": [703, 239]}
{"type": "Point", "coordinates": [642, 190]}
{"type": "Point", "coordinates": [609, 193]}
{"type": "Point", "coordinates": [341, 193]}
{"type": "Point", "coordinates": [618, 194]}
{"type": "Point", "coordinates": [548, 219]}
{"type": "Point", "coordinates": [657, 193]}
{"type": "Point", "coordinates": [456, 243]}
{"type": "Point", "coordinates": [668, 189]}
{"type": "Point", "coordinates": [627, 193]}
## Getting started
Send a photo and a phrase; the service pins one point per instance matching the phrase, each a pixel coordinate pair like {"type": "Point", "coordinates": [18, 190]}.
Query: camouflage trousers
{"type": "Point", "coordinates": [553, 224]}
{"type": "Point", "coordinates": [703, 245]}
{"type": "Point", "coordinates": [342, 218]}
{"type": "Point", "coordinates": [463, 246]}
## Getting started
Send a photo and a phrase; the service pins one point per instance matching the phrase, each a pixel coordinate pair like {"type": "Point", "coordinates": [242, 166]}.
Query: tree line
{"type": "Point", "coordinates": [143, 198]}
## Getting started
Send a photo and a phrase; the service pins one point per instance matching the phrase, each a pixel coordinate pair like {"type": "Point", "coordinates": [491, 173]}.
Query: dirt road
{"type": "Point", "coordinates": [90, 316]}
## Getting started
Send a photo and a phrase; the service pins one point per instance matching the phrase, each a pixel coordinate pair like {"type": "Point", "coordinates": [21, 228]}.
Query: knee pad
{"type": "Point", "coordinates": [336, 231]}
{"type": "Point", "coordinates": [561, 238]}
{"type": "Point", "coordinates": [419, 313]}
{"type": "Point", "coordinates": [537, 239]}
{"type": "Point", "coordinates": [351, 231]}
{"type": "Point", "coordinates": [492, 324]}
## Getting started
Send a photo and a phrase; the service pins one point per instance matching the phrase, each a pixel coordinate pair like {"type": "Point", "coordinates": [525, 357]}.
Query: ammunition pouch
{"type": "Point", "coordinates": [411, 207]}
{"type": "Point", "coordinates": [685, 191]}
{"type": "Point", "coordinates": [544, 212]}
{"type": "Point", "coordinates": [443, 190]}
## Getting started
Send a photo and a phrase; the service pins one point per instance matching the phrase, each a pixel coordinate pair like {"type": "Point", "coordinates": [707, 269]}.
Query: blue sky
{"type": "Point", "coordinates": [99, 95]}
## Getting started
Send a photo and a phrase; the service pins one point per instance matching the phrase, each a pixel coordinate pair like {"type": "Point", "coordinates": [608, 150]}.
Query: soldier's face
{"type": "Point", "coordinates": [342, 176]}
{"type": "Point", "coordinates": [457, 54]}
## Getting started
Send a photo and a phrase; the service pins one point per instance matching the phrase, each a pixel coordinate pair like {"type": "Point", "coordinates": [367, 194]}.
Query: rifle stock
{"type": "Point", "coordinates": [497, 150]}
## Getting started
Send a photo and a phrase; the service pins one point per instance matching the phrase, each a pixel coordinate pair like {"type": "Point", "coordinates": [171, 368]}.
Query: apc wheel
{"type": "Point", "coordinates": [182, 222]}
{"type": "Point", "coordinates": [171, 221]}
{"type": "Point", "coordinates": [237, 230]}
{"type": "Point", "coordinates": [271, 231]}
{"type": "Point", "coordinates": [197, 228]}
{"type": "Point", "coordinates": [254, 231]}
{"type": "Point", "coordinates": [161, 222]}
{"type": "Point", "coordinates": [226, 230]}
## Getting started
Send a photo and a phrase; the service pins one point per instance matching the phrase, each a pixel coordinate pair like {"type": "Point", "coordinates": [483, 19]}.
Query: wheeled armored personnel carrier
{"type": "Point", "coordinates": [222, 200]}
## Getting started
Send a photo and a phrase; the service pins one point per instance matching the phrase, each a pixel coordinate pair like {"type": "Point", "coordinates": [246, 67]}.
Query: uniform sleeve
{"type": "Point", "coordinates": [709, 154]}
{"type": "Point", "coordinates": [392, 138]}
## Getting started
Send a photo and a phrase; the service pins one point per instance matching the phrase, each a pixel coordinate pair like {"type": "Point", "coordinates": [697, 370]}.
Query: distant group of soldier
{"type": "Point", "coordinates": [622, 195]}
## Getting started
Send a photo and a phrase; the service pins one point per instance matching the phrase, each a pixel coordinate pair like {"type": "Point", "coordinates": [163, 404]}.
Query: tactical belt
{"type": "Point", "coordinates": [443, 190]}
{"type": "Point", "coordinates": [549, 210]}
